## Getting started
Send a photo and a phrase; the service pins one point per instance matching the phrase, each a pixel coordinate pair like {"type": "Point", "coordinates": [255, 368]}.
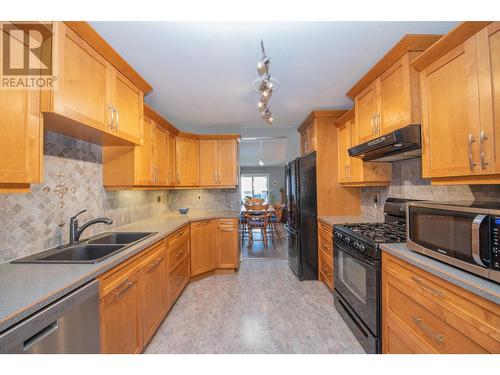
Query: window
{"type": "Point", "coordinates": [255, 185]}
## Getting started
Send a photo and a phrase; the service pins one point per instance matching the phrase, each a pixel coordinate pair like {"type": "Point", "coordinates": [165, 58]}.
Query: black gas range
{"type": "Point", "coordinates": [357, 271]}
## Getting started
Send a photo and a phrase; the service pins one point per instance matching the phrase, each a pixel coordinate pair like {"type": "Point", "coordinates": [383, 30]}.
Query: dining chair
{"type": "Point", "coordinates": [257, 221]}
{"type": "Point", "coordinates": [276, 216]}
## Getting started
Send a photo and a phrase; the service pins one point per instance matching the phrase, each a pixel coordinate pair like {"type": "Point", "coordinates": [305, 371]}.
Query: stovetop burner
{"type": "Point", "coordinates": [380, 232]}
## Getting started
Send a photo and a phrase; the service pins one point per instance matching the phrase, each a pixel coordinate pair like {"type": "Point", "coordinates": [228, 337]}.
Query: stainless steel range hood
{"type": "Point", "coordinates": [401, 144]}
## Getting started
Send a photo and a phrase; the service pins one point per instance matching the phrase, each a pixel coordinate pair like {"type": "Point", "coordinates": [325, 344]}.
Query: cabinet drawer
{"type": "Point", "coordinates": [326, 269]}
{"type": "Point", "coordinates": [475, 310]}
{"type": "Point", "coordinates": [326, 229]}
{"type": "Point", "coordinates": [175, 255]}
{"type": "Point", "coordinates": [178, 278]}
{"type": "Point", "coordinates": [178, 237]}
{"type": "Point", "coordinates": [430, 325]}
{"type": "Point", "coordinates": [117, 275]}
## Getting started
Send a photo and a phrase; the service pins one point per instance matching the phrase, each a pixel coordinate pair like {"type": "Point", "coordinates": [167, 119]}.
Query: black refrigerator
{"type": "Point", "coordinates": [301, 223]}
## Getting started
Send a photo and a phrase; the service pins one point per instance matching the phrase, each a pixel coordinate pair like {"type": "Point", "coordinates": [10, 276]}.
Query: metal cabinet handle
{"type": "Point", "coordinates": [482, 138]}
{"type": "Point", "coordinates": [178, 254]}
{"type": "Point", "coordinates": [123, 291]}
{"type": "Point", "coordinates": [377, 124]}
{"type": "Point", "coordinates": [152, 266]}
{"type": "Point", "coordinates": [434, 291]}
{"type": "Point", "coordinates": [429, 332]}
{"type": "Point", "coordinates": [178, 173]}
{"type": "Point", "coordinates": [471, 161]}
{"type": "Point", "coordinates": [117, 119]}
{"type": "Point", "coordinates": [373, 125]}
{"type": "Point", "coordinates": [112, 110]}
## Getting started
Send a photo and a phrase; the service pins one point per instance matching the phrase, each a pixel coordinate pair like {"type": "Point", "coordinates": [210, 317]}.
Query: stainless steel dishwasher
{"type": "Point", "coordinates": [68, 325]}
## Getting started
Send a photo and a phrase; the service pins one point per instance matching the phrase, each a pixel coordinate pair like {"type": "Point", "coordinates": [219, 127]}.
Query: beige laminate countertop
{"type": "Point", "coordinates": [26, 288]}
{"type": "Point", "coordinates": [347, 219]}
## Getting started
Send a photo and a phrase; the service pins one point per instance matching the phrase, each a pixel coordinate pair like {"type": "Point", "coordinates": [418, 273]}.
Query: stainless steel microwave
{"type": "Point", "coordinates": [462, 234]}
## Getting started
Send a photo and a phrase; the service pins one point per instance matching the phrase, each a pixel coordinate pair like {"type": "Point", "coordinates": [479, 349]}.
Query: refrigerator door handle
{"type": "Point", "coordinates": [289, 229]}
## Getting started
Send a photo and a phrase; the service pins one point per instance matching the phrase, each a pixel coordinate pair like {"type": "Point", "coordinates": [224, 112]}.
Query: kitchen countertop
{"type": "Point", "coordinates": [475, 284]}
{"type": "Point", "coordinates": [26, 288]}
{"type": "Point", "coordinates": [347, 219]}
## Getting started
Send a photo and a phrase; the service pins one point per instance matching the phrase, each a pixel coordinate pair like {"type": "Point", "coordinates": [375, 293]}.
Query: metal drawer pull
{"type": "Point", "coordinates": [111, 109]}
{"type": "Point", "coordinates": [154, 265]}
{"type": "Point", "coordinates": [178, 254]}
{"type": "Point", "coordinates": [469, 143]}
{"type": "Point", "coordinates": [122, 292]}
{"type": "Point", "coordinates": [482, 138]}
{"type": "Point", "coordinates": [434, 291]}
{"type": "Point", "coordinates": [117, 119]}
{"type": "Point", "coordinates": [373, 125]}
{"type": "Point", "coordinates": [429, 332]}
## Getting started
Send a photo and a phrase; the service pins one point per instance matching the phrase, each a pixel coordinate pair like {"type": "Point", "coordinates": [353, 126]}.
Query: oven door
{"type": "Point", "coordinates": [357, 280]}
{"type": "Point", "coordinates": [455, 237]}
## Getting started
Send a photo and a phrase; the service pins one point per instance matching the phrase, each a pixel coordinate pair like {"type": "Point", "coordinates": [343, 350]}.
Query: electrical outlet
{"type": "Point", "coordinates": [198, 196]}
{"type": "Point", "coordinates": [375, 199]}
{"type": "Point", "coordinates": [158, 198]}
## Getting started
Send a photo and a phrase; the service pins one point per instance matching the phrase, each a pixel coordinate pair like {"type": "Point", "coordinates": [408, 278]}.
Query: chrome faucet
{"type": "Point", "coordinates": [75, 232]}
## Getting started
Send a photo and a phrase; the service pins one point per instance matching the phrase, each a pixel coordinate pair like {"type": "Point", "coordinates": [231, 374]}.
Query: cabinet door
{"type": "Point", "coordinates": [128, 102]}
{"type": "Point", "coordinates": [120, 316]}
{"type": "Point", "coordinates": [395, 96]}
{"type": "Point", "coordinates": [187, 159]}
{"type": "Point", "coordinates": [366, 105]}
{"type": "Point", "coordinates": [227, 162]}
{"type": "Point", "coordinates": [143, 156]}
{"type": "Point", "coordinates": [203, 246]}
{"type": "Point", "coordinates": [208, 163]}
{"type": "Point", "coordinates": [228, 244]}
{"type": "Point", "coordinates": [311, 138]}
{"type": "Point", "coordinates": [303, 143]}
{"type": "Point", "coordinates": [450, 114]}
{"type": "Point", "coordinates": [160, 156]}
{"type": "Point", "coordinates": [21, 140]}
{"type": "Point", "coordinates": [488, 55]}
{"type": "Point", "coordinates": [171, 159]}
{"type": "Point", "coordinates": [153, 292]}
{"type": "Point", "coordinates": [83, 92]}
{"type": "Point", "coordinates": [344, 136]}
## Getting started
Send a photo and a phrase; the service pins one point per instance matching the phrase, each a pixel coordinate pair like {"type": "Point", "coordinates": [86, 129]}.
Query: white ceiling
{"type": "Point", "coordinates": [274, 152]}
{"type": "Point", "coordinates": [202, 72]}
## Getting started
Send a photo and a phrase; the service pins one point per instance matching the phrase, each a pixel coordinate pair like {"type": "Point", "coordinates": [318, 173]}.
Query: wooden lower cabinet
{"type": "Point", "coordinates": [203, 246]}
{"type": "Point", "coordinates": [325, 254]}
{"type": "Point", "coordinates": [178, 263]}
{"type": "Point", "coordinates": [153, 289]}
{"type": "Point", "coordinates": [422, 313]}
{"type": "Point", "coordinates": [120, 317]}
{"type": "Point", "coordinates": [228, 254]}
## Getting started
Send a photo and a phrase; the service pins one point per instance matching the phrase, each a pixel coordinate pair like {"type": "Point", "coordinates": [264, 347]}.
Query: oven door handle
{"type": "Point", "coordinates": [476, 240]}
{"type": "Point", "coordinates": [353, 254]}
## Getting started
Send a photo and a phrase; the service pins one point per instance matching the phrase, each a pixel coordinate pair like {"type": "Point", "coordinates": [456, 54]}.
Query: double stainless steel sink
{"type": "Point", "coordinates": [91, 250]}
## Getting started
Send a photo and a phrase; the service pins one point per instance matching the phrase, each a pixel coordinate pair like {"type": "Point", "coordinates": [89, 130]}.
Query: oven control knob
{"type": "Point", "coordinates": [347, 239]}
{"type": "Point", "coordinates": [361, 247]}
{"type": "Point", "coordinates": [337, 234]}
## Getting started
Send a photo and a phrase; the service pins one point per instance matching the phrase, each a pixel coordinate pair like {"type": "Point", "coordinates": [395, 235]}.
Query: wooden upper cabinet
{"type": "Point", "coordinates": [128, 103]}
{"type": "Point", "coordinates": [187, 160]}
{"type": "Point", "coordinates": [450, 114]}
{"type": "Point", "coordinates": [488, 59]}
{"type": "Point", "coordinates": [386, 98]}
{"type": "Point", "coordinates": [227, 162]}
{"type": "Point", "coordinates": [21, 140]}
{"type": "Point", "coordinates": [459, 83]}
{"type": "Point", "coordinates": [203, 246]}
{"type": "Point", "coordinates": [208, 162]}
{"type": "Point", "coordinates": [93, 101]}
{"type": "Point", "coordinates": [161, 173]}
{"type": "Point", "coordinates": [143, 156]}
{"type": "Point", "coordinates": [307, 139]}
{"type": "Point", "coordinates": [218, 162]}
{"type": "Point", "coordinates": [353, 171]}
{"type": "Point", "coordinates": [366, 105]}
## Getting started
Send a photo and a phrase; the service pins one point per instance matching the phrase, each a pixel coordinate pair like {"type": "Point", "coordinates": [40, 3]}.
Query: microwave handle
{"type": "Point", "coordinates": [476, 242]}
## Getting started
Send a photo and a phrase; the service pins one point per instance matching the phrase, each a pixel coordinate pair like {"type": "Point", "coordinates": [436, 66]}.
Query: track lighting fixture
{"type": "Point", "coordinates": [265, 86]}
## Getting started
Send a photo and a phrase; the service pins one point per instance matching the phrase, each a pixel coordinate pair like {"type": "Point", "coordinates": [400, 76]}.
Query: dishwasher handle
{"type": "Point", "coordinates": [39, 336]}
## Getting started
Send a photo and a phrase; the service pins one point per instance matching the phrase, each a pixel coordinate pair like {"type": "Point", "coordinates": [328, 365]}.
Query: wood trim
{"type": "Point", "coordinates": [88, 33]}
{"type": "Point", "coordinates": [150, 113]}
{"type": "Point", "coordinates": [410, 42]}
{"type": "Point", "coordinates": [447, 43]}
{"type": "Point", "coordinates": [188, 135]}
{"type": "Point", "coordinates": [331, 113]}
{"type": "Point", "coordinates": [347, 116]}
{"type": "Point", "coordinates": [219, 136]}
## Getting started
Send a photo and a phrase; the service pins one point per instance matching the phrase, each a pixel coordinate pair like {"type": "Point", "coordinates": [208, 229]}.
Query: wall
{"type": "Point", "coordinates": [211, 199]}
{"type": "Point", "coordinates": [293, 141]}
{"type": "Point", "coordinates": [275, 174]}
{"type": "Point", "coordinates": [407, 183]}
{"type": "Point", "coordinates": [31, 222]}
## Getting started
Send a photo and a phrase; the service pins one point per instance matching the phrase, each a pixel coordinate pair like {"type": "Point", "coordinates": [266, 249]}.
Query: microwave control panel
{"type": "Point", "coordinates": [495, 261]}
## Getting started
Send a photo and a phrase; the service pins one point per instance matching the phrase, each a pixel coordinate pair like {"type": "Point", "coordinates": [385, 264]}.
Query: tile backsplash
{"type": "Point", "coordinates": [210, 199]}
{"type": "Point", "coordinates": [407, 182]}
{"type": "Point", "coordinates": [31, 222]}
